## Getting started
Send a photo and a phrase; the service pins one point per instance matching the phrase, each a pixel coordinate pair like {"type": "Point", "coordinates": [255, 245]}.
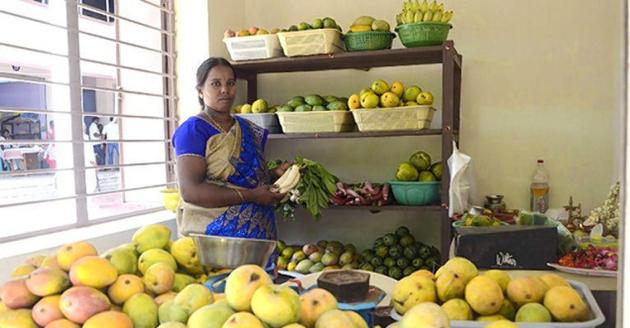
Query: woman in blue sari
{"type": "Point", "coordinates": [222, 175]}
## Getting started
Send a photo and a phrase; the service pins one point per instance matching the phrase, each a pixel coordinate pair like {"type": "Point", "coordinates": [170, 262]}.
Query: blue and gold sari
{"type": "Point", "coordinates": [234, 159]}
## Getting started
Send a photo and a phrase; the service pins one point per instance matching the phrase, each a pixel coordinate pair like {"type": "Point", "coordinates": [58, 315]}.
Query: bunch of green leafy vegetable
{"type": "Point", "coordinates": [316, 187]}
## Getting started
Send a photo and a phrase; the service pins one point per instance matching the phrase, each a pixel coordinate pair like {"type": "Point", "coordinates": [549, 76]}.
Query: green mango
{"type": "Point", "coordinates": [329, 23]}
{"type": "Point", "coordinates": [319, 108]}
{"type": "Point", "coordinates": [314, 100]}
{"type": "Point", "coordinates": [304, 108]}
{"type": "Point", "coordinates": [317, 23]}
{"type": "Point", "coordinates": [330, 99]}
{"type": "Point", "coordinates": [296, 101]}
{"type": "Point", "coordinates": [337, 105]}
{"type": "Point", "coordinates": [285, 108]}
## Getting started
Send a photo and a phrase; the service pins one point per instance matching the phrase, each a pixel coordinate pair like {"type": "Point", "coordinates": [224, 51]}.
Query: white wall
{"type": "Point", "coordinates": [541, 80]}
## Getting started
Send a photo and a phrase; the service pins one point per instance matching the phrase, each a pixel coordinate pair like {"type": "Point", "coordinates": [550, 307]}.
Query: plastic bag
{"type": "Point", "coordinates": [461, 190]}
{"type": "Point", "coordinates": [566, 242]}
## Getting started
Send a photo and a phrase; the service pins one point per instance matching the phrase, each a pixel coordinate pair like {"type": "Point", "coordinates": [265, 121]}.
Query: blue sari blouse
{"type": "Point", "coordinates": [248, 170]}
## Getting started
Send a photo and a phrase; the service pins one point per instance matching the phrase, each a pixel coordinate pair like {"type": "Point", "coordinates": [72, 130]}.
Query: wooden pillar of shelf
{"type": "Point", "coordinates": [448, 120]}
{"type": "Point", "coordinates": [252, 87]}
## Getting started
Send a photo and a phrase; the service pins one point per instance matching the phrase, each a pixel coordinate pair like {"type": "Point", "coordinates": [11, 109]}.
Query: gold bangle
{"type": "Point", "coordinates": [240, 195]}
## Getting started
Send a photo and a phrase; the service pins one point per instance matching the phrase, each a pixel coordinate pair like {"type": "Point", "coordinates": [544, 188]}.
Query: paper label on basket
{"type": "Point", "coordinates": [506, 259]}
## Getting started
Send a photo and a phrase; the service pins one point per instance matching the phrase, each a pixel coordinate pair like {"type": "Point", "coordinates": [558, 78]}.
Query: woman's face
{"type": "Point", "coordinates": [219, 90]}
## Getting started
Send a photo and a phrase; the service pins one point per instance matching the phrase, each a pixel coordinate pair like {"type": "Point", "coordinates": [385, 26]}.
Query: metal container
{"type": "Point", "coordinates": [494, 203]}
{"type": "Point", "coordinates": [232, 252]}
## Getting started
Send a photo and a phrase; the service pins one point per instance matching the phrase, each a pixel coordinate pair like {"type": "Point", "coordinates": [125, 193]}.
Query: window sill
{"type": "Point", "coordinates": [53, 240]}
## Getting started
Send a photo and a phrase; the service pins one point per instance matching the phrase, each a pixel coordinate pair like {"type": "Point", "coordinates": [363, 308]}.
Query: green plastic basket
{"type": "Point", "coordinates": [416, 192]}
{"type": "Point", "coordinates": [423, 34]}
{"type": "Point", "coordinates": [370, 40]}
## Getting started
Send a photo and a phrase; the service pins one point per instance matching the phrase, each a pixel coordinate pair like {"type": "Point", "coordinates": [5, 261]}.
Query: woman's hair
{"type": "Point", "coordinates": [204, 69]}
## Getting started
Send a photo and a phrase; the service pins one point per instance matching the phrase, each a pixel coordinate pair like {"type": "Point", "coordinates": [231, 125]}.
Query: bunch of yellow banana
{"type": "Point", "coordinates": [288, 181]}
{"type": "Point", "coordinates": [416, 12]}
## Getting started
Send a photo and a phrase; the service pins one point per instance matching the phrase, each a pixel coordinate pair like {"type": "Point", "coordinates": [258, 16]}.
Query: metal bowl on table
{"type": "Point", "coordinates": [232, 252]}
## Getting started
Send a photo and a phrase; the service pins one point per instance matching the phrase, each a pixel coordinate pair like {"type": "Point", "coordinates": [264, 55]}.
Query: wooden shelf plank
{"type": "Point", "coordinates": [343, 135]}
{"type": "Point", "coordinates": [427, 208]}
{"type": "Point", "coordinates": [343, 60]}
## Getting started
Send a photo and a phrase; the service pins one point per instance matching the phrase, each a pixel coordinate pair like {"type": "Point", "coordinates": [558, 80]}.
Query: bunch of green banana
{"type": "Point", "coordinates": [288, 181]}
{"type": "Point", "coordinates": [416, 12]}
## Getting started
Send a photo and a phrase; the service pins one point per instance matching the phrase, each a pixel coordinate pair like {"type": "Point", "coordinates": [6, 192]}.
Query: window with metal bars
{"type": "Point", "coordinates": [86, 112]}
{"type": "Point", "coordinates": [104, 5]}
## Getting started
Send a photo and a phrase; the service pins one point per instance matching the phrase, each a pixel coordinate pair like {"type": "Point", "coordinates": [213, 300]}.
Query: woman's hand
{"type": "Point", "coordinates": [279, 171]}
{"type": "Point", "coordinates": [264, 196]}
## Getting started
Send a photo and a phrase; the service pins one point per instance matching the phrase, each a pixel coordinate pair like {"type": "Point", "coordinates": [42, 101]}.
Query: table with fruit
{"type": "Point", "coordinates": [155, 281]}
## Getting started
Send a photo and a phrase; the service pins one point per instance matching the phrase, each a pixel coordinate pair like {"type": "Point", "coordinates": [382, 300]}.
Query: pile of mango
{"type": "Point", "coordinates": [316, 24]}
{"type": "Point", "coordinates": [314, 103]}
{"type": "Point", "coordinates": [311, 258]}
{"type": "Point", "coordinates": [381, 94]}
{"type": "Point", "coordinates": [253, 301]}
{"type": "Point", "coordinates": [464, 294]}
{"type": "Point", "coordinates": [249, 32]}
{"type": "Point", "coordinates": [419, 168]}
{"type": "Point", "coordinates": [150, 281]}
{"type": "Point", "coordinates": [258, 106]}
{"type": "Point", "coordinates": [480, 220]}
{"type": "Point", "coordinates": [367, 24]}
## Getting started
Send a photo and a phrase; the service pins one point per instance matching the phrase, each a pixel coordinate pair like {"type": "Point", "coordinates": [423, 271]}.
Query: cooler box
{"type": "Point", "coordinates": [508, 247]}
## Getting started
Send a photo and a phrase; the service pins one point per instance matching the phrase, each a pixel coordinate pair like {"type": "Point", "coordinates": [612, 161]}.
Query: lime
{"type": "Point", "coordinates": [417, 263]}
{"type": "Point", "coordinates": [366, 255]}
{"type": "Point", "coordinates": [407, 240]}
{"type": "Point", "coordinates": [395, 273]}
{"type": "Point", "coordinates": [408, 271]}
{"type": "Point", "coordinates": [402, 231]}
{"type": "Point", "coordinates": [376, 261]}
{"type": "Point", "coordinates": [406, 172]}
{"type": "Point", "coordinates": [389, 262]}
{"type": "Point", "coordinates": [424, 252]}
{"type": "Point", "coordinates": [410, 252]}
{"type": "Point", "coordinates": [431, 263]}
{"type": "Point", "coordinates": [366, 267]}
{"type": "Point", "coordinates": [426, 176]}
{"type": "Point", "coordinates": [381, 269]}
{"type": "Point", "coordinates": [390, 239]}
{"type": "Point", "coordinates": [402, 262]}
{"type": "Point", "coordinates": [420, 160]}
{"type": "Point", "coordinates": [381, 251]}
{"type": "Point", "coordinates": [395, 251]}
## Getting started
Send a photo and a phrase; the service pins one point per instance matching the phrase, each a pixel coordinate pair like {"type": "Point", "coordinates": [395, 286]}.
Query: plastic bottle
{"type": "Point", "coordinates": [539, 188]}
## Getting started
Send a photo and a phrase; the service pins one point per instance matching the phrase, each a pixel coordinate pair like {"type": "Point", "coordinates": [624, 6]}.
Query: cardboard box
{"type": "Point", "coordinates": [508, 247]}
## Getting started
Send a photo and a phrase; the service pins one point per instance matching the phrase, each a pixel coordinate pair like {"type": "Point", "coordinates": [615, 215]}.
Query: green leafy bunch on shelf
{"type": "Point", "coordinates": [314, 190]}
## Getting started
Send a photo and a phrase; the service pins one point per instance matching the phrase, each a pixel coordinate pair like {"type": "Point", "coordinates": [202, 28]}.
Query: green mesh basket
{"type": "Point", "coordinates": [423, 34]}
{"type": "Point", "coordinates": [370, 40]}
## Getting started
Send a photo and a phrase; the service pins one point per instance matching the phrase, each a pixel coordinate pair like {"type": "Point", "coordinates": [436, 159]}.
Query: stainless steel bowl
{"type": "Point", "coordinates": [230, 252]}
